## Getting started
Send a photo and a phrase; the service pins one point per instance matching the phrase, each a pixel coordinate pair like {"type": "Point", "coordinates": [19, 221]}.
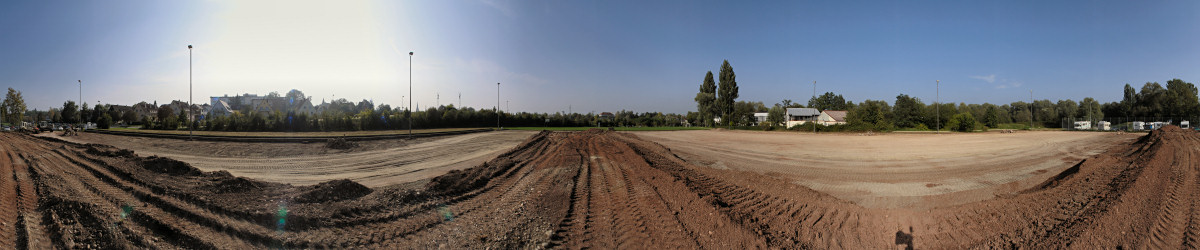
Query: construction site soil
{"type": "Point", "coordinates": [895, 170]}
{"type": "Point", "coordinates": [592, 189]}
{"type": "Point", "coordinates": [375, 163]}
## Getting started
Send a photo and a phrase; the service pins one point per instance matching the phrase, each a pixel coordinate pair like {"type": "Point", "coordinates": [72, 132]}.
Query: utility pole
{"type": "Point", "coordinates": [507, 107]}
{"type": "Point", "coordinates": [937, 106]}
{"type": "Point", "coordinates": [80, 102]}
{"type": "Point", "coordinates": [410, 55]}
{"type": "Point", "coordinates": [814, 119]}
{"type": "Point", "coordinates": [1031, 109]}
{"type": "Point", "coordinates": [439, 99]}
{"type": "Point", "coordinates": [189, 108]}
{"type": "Point", "coordinates": [460, 100]}
{"type": "Point", "coordinates": [497, 109]}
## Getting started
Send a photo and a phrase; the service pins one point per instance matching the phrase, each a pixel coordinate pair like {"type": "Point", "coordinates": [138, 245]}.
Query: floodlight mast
{"type": "Point", "coordinates": [80, 103]}
{"type": "Point", "coordinates": [497, 109]}
{"type": "Point", "coordinates": [937, 106]}
{"type": "Point", "coordinates": [814, 119]}
{"type": "Point", "coordinates": [409, 113]}
{"type": "Point", "coordinates": [189, 108]}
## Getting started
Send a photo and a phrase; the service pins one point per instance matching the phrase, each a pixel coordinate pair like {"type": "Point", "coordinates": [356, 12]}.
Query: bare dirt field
{"type": "Point", "coordinates": [592, 189]}
{"type": "Point", "coordinates": [372, 163]}
{"type": "Point", "coordinates": [895, 170]}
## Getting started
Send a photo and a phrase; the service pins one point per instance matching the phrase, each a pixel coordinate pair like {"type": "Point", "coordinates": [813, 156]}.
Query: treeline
{"type": "Point", "coordinates": [1178, 99]}
{"type": "Point", "coordinates": [385, 118]}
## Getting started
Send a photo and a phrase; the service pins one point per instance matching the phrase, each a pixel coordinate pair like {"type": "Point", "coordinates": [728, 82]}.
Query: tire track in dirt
{"type": "Point", "coordinates": [593, 189]}
{"type": "Point", "coordinates": [9, 212]}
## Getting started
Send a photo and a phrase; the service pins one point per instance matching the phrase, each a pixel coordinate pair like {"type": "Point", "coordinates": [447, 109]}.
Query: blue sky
{"type": "Point", "coordinates": [593, 55]}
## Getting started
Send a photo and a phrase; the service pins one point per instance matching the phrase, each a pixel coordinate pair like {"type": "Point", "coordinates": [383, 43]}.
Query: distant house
{"type": "Point", "coordinates": [801, 116]}
{"type": "Point", "coordinates": [832, 117]}
{"type": "Point", "coordinates": [607, 116]}
{"type": "Point", "coordinates": [760, 117]}
{"type": "Point", "coordinates": [220, 108]}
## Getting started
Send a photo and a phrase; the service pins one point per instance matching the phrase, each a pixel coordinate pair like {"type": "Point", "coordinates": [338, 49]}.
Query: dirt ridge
{"type": "Point", "coordinates": [590, 189]}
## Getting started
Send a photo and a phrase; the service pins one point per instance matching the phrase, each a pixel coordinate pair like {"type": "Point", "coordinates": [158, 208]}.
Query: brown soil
{"type": "Point", "coordinates": [375, 163]}
{"type": "Point", "coordinates": [895, 170]}
{"type": "Point", "coordinates": [593, 189]}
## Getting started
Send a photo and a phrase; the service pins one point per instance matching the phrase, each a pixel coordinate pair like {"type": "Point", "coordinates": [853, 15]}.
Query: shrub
{"type": "Point", "coordinates": [962, 122]}
{"type": "Point", "coordinates": [105, 121]}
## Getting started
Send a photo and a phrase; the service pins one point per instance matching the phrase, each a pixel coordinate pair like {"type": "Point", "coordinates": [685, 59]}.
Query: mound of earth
{"type": "Point", "coordinates": [340, 143]}
{"type": "Point", "coordinates": [168, 166]}
{"type": "Point", "coordinates": [591, 189]}
{"type": "Point", "coordinates": [334, 190]}
{"type": "Point", "coordinates": [110, 151]}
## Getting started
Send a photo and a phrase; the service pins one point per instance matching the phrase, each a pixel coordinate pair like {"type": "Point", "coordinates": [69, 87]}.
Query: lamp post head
{"type": "Point", "coordinates": [189, 46]}
{"type": "Point", "coordinates": [410, 53]}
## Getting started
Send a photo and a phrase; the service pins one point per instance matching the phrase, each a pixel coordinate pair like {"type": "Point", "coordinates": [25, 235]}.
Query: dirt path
{"type": "Point", "coordinates": [387, 162]}
{"type": "Point", "coordinates": [895, 170]}
{"type": "Point", "coordinates": [593, 189]}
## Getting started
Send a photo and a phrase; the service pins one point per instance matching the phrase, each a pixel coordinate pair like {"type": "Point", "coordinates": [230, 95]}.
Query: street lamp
{"type": "Point", "coordinates": [189, 108]}
{"type": "Point", "coordinates": [814, 119]}
{"type": "Point", "coordinates": [497, 106]}
{"type": "Point", "coordinates": [80, 103]}
{"type": "Point", "coordinates": [410, 55]}
{"type": "Point", "coordinates": [938, 106]}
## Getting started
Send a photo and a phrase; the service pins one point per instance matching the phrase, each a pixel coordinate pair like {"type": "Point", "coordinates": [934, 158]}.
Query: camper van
{"type": "Point", "coordinates": [1104, 125]}
{"type": "Point", "coordinates": [1083, 125]}
{"type": "Point", "coordinates": [1185, 125]}
{"type": "Point", "coordinates": [1137, 126]}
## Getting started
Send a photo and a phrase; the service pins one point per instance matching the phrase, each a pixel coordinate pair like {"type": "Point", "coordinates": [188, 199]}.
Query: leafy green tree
{"type": "Point", "coordinates": [908, 111]}
{"type": "Point", "coordinates": [13, 107]}
{"type": "Point", "coordinates": [776, 115]}
{"type": "Point", "coordinates": [871, 115]}
{"type": "Point", "coordinates": [70, 112]}
{"type": "Point", "coordinates": [85, 113]}
{"type": "Point", "coordinates": [991, 117]}
{"type": "Point", "coordinates": [96, 112]}
{"type": "Point", "coordinates": [164, 113]}
{"type": "Point", "coordinates": [1150, 101]}
{"type": "Point", "coordinates": [105, 121]}
{"type": "Point", "coordinates": [962, 122]}
{"type": "Point", "coordinates": [828, 101]}
{"type": "Point", "coordinates": [1090, 109]}
{"type": "Point", "coordinates": [932, 118]}
{"type": "Point", "coordinates": [1180, 99]}
{"type": "Point", "coordinates": [727, 92]}
{"type": "Point", "coordinates": [1067, 109]}
{"type": "Point", "coordinates": [706, 106]}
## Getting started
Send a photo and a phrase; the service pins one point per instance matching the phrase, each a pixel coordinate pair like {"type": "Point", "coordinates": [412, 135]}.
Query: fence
{"type": "Point", "coordinates": [1128, 123]}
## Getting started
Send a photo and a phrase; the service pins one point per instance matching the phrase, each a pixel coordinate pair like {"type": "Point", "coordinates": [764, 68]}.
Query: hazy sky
{"type": "Point", "coordinates": [593, 55]}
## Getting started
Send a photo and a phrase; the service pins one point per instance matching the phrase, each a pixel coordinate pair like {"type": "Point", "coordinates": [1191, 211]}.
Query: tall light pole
{"type": "Point", "coordinates": [189, 108]}
{"type": "Point", "coordinates": [80, 103]}
{"type": "Point", "coordinates": [937, 106]}
{"type": "Point", "coordinates": [409, 113]}
{"type": "Point", "coordinates": [1031, 109]}
{"type": "Point", "coordinates": [497, 106]}
{"type": "Point", "coordinates": [814, 119]}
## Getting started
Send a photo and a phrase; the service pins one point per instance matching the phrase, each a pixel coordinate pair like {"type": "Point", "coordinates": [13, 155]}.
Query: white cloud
{"type": "Point", "coordinates": [486, 67]}
{"type": "Point", "coordinates": [503, 7]}
{"type": "Point", "coordinates": [1000, 83]}
{"type": "Point", "coordinates": [988, 78]}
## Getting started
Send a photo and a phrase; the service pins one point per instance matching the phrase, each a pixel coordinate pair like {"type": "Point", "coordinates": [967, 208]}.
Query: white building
{"type": "Point", "coordinates": [832, 117]}
{"type": "Point", "coordinates": [800, 116]}
{"type": "Point", "coordinates": [760, 117]}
